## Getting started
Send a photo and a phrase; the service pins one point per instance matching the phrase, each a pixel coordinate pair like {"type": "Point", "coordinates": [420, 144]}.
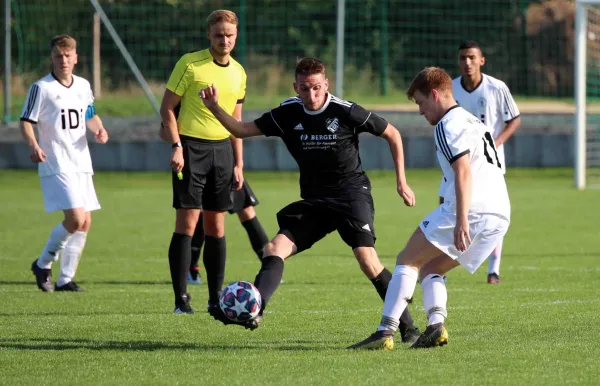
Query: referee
{"type": "Point", "coordinates": [208, 157]}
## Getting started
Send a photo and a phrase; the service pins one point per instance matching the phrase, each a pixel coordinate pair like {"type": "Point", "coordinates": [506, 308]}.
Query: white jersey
{"type": "Point", "coordinates": [491, 102]}
{"type": "Point", "coordinates": [459, 134]}
{"type": "Point", "coordinates": [60, 115]}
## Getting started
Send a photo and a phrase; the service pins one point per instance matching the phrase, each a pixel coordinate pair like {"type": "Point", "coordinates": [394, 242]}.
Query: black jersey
{"type": "Point", "coordinates": [324, 143]}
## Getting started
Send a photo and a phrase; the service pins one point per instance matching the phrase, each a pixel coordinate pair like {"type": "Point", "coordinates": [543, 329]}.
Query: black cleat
{"type": "Point", "coordinates": [411, 335]}
{"type": "Point", "coordinates": [493, 278]}
{"type": "Point", "coordinates": [379, 340]}
{"type": "Point", "coordinates": [69, 287]}
{"type": "Point", "coordinates": [434, 336]}
{"type": "Point", "coordinates": [43, 277]}
{"type": "Point", "coordinates": [182, 307]}
{"type": "Point", "coordinates": [215, 311]}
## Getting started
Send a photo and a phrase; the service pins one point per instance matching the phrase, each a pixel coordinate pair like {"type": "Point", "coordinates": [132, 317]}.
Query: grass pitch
{"type": "Point", "coordinates": [538, 327]}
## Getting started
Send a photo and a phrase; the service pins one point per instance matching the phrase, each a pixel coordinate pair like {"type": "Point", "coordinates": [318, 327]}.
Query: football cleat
{"type": "Point", "coordinates": [411, 335]}
{"type": "Point", "coordinates": [435, 335]}
{"type": "Point", "coordinates": [43, 277]}
{"type": "Point", "coordinates": [69, 287]}
{"type": "Point", "coordinates": [194, 275]}
{"type": "Point", "coordinates": [493, 278]}
{"type": "Point", "coordinates": [215, 311]}
{"type": "Point", "coordinates": [380, 340]}
{"type": "Point", "coordinates": [183, 305]}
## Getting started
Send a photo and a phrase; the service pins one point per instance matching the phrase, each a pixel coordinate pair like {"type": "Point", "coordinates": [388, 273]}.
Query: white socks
{"type": "Point", "coordinates": [494, 259]}
{"type": "Point", "coordinates": [435, 298]}
{"type": "Point", "coordinates": [70, 258]}
{"type": "Point", "coordinates": [56, 243]}
{"type": "Point", "coordinates": [400, 291]}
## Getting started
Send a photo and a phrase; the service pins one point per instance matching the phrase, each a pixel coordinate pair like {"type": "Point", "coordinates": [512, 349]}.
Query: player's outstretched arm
{"type": "Point", "coordinates": [462, 185]}
{"type": "Point", "coordinates": [392, 136]}
{"type": "Point", "coordinates": [210, 97]}
{"type": "Point", "coordinates": [95, 125]}
{"type": "Point", "coordinates": [36, 154]}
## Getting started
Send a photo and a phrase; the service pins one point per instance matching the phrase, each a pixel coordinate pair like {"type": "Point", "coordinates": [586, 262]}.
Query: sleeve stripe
{"type": "Point", "coordinates": [273, 118]}
{"type": "Point", "coordinates": [369, 116]}
{"type": "Point", "coordinates": [31, 100]}
{"type": "Point", "coordinates": [453, 159]}
{"type": "Point", "coordinates": [442, 142]}
{"type": "Point", "coordinates": [508, 101]}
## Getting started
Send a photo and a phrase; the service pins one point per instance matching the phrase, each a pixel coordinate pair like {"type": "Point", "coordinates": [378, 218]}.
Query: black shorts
{"type": "Point", "coordinates": [243, 198]}
{"type": "Point", "coordinates": [308, 221]}
{"type": "Point", "coordinates": [207, 175]}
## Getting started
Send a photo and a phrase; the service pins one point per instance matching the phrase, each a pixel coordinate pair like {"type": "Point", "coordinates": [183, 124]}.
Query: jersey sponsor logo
{"type": "Point", "coordinates": [332, 124]}
{"type": "Point", "coordinates": [299, 127]}
{"type": "Point", "coordinates": [318, 137]}
{"type": "Point", "coordinates": [303, 137]}
{"type": "Point", "coordinates": [72, 116]}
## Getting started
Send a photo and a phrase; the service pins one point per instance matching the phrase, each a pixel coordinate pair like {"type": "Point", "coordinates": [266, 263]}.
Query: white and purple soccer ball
{"type": "Point", "coordinates": [240, 301]}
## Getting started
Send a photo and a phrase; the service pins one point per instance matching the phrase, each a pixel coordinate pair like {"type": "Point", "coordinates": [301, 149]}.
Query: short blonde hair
{"type": "Point", "coordinates": [428, 79]}
{"type": "Point", "coordinates": [63, 41]}
{"type": "Point", "coordinates": [221, 15]}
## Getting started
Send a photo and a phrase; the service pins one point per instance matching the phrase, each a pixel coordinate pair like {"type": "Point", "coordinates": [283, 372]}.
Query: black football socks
{"type": "Point", "coordinates": [256, 234]}
{"type": "Point", "coordinates": [197, 242]}
{"type": "Point", "coordinates": [214, 256]}
{"type": "Point", "coordinates": [268, 278]}
{"type": "Point", "coordinates": [179, 263]}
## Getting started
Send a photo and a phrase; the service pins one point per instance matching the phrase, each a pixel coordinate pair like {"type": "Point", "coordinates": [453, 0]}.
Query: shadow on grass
{"type": "Point", "coordinates": [41, 344]}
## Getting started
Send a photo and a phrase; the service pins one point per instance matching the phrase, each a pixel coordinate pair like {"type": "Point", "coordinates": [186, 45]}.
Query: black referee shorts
{"type": "Point", "coordinates": [308, 221]}
{"type": "Point", "coordinates": [207, 175]}
{"type": "Point", "coordinates": [243, 198]}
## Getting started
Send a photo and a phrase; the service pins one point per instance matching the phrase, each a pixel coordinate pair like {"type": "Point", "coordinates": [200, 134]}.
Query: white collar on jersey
{"type": "Point", "coordinates": [319, 111]}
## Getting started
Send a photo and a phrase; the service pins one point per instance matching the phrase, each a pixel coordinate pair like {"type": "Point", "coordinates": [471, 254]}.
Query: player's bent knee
{"type": "Point", "coordinates": [280, 246]}
{"type": "Point", "coordinates": [246, 214]}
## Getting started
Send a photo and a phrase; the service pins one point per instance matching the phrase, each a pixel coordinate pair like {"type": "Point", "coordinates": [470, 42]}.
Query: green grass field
{"type": "Point", "coordinates": [538, 327]}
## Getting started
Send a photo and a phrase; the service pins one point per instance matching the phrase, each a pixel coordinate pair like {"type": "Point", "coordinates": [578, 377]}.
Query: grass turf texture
{"type": "Point", "coordinates": [538, 327]}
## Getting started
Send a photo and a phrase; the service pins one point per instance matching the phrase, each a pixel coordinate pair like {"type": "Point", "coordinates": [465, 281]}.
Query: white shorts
{"type": "Point", "coordinates": [486, 231]}
{"type": "Point", "coordinates": [68, 191]}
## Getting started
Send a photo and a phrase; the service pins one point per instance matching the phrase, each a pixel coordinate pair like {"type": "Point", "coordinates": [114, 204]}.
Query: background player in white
{"type": "Point", "coordinates": [463, 230]}
{"type": "Point", "coordinates": [490, 100]}
{"type": "Point", "coordinates": [61, 105]}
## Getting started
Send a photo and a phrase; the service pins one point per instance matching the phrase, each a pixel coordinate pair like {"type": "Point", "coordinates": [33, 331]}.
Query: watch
{"type": "Point", "coordinates": [176, 144]}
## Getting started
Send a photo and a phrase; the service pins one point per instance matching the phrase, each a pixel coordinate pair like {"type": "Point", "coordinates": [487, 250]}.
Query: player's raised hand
{"type": "Point", "coordinates": [36, 154]}
{"type": "Point", "coordinates": [210, 96]}
{"type": "Point", "coordinates": [102, 136]}
{"type": "Point", "coordinates": [462, 239]}
{"type": "Point", "coordinates": [407, 195]}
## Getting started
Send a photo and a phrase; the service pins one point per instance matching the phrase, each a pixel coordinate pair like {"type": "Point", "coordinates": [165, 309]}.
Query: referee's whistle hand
{"type": "Point", "coordinates": [176, 163]}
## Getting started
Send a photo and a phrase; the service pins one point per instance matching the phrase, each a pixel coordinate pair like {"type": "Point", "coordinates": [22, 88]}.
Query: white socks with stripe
{"type": "Point", "coordinates": [435, 298]}
{"type": "Point", "coordinates": [400, 291]}
{"type": "Point", "coordinates": [494, 259]}
{"type": "Point", "coordinates": [70, 258]}
{"type": "Point", "coordinates": [56, 243]}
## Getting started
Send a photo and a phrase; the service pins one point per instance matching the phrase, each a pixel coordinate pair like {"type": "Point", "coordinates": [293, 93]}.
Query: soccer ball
{"type": "Point", "coordinates": [240, 301]}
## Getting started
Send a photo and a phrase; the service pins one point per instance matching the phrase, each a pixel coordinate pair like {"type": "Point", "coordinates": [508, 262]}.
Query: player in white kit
{"type": "Point", "coordinates": [490, 100]}
{"type": "Point", "coordinates": [61, 105]}
{"type": "Point", "coordinates": [463, 230]}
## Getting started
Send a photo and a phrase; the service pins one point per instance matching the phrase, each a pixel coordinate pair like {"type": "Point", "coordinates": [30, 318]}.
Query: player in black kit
{"type": "Point", "coordinates": [321, 133]}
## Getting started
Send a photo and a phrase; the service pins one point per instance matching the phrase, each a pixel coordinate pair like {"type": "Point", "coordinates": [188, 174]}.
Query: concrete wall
{"type": "Point", "coordinates": [527, 150]}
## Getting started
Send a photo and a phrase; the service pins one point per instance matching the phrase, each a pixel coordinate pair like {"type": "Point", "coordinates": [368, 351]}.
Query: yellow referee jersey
{"type": "Point", "coordinates": [194, 72]}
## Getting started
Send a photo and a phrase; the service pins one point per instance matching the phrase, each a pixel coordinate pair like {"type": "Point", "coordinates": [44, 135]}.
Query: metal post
{"type": "Point", "coordinates": [383, 79]}
{"type": "Point", "coordinates": [241, 33]}
{"type": "Point", "coordinates": [134, 68]}
{"type": "Point", "coordinates": [339, 49]}
{"type": "Point", "coordinates": [580, 94]}
{"type": "Point", "coordinates": [96, 68]}
{"type": "Point", "coordinates": [7, 62]}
